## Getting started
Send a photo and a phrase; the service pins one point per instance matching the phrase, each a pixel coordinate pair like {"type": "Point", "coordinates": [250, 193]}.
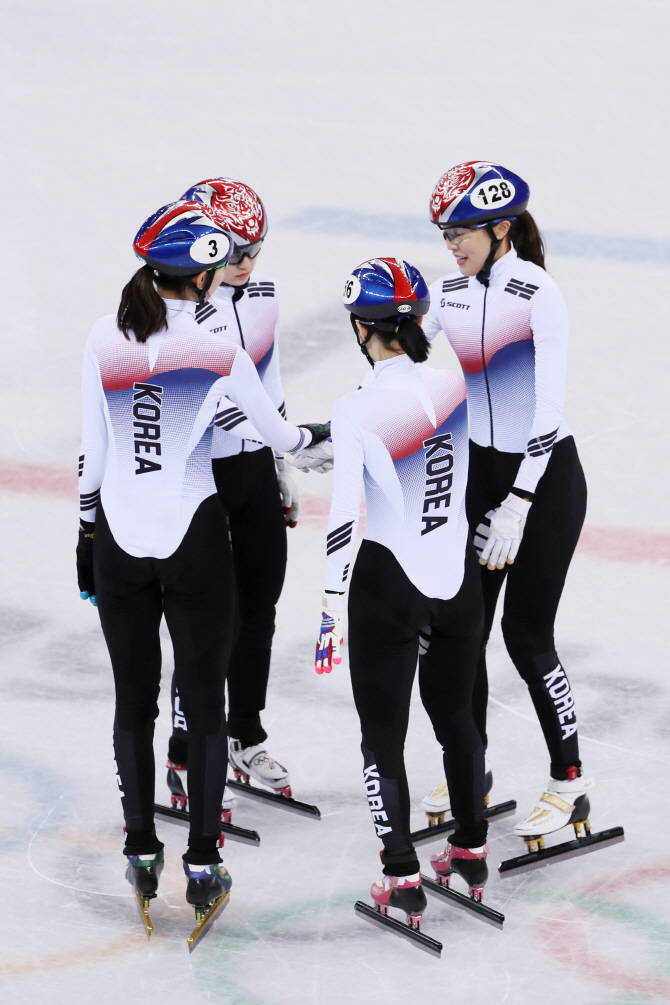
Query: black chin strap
{"type": "Point", "coordinates": [202, 293]}
{"type": "Point", "coordinates": [484, 273]}
{"type": "Point", "coordinates": [362, 345]}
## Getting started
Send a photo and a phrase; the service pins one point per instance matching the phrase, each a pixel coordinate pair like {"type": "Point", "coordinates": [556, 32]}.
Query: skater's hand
{"type": "Point", "coordinates": [330, 635]}
{"type": "Point", "coordinates": [289, 492]}
{"type": "Point", "coordinates": [507, 525]}
{"type": "Point", "coordinates": [85, 561]}
{"type": "Point", "coordinates": [318, 458]}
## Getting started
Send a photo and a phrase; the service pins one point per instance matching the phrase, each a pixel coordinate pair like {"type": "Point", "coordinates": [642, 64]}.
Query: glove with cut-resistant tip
{"type": "Point", "coordinates": [330, 634]}
{"type": "Point", "coordinates": [85, 561]}
{"type": "Point", "coordinates": [507, 525]}
{"type": "Point", "coordinates": [289, 492]}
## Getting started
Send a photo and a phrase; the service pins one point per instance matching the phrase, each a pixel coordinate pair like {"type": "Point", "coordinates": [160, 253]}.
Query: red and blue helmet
{"type": "Point", "coordinates": [236, 205]}
{"type": "Point", "coordinates": [477, 192]}
{"type": "Point", "coordinates": [182, 239]}
{"type": "Point", "coordinates": [386, 287]}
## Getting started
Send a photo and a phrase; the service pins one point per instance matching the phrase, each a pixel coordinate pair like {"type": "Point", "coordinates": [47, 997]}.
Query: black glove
{"type": "Point", "coordinates": [320, 431]}
{"type": "Point", "coordinates": [85, 561]}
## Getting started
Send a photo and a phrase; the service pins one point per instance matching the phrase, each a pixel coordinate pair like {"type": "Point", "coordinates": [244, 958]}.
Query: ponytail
{"type": "Point", "coordinates": [411, 339]}
{"type": "Point", "coordinates": [527, 239]}
{"type": "Point", "coordinates": [406, 333]}
{"type": "Point", "coordinates": [142, 310]}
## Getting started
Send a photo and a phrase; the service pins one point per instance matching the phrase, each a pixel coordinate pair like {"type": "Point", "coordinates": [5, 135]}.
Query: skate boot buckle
{"type": "Point", "coordinates": [241, 776]}
{"type": "Point", "coordinates": [285, 791]}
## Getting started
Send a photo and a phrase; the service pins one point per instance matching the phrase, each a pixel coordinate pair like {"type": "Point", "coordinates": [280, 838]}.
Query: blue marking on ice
{"type": "Point", "coordinates": [401, 226]}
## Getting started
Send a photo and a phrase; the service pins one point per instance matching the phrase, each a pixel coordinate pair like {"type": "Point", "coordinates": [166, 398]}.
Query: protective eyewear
{"type": "Point", "coordinates": [241, 251]}
{"type": "Point", "coordinates": [458, 233]}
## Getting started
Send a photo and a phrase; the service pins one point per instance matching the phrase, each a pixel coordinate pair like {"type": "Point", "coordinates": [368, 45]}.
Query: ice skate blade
{"type": "Point", "coordinates": [285, 802]}
{"type": "Point", "coordinates": [230, 830]}
{"type": "Point", "coordinates": [206, 921]}
{"type": "Point", "coordinates": [429, 833]}
{"type": "Point", "coordinates": [460, 900]}
{"type": "Point", "coordinates": [144, 913]}
{"type": "Point", "coordinates": [569, 849]}
{"type": "Point", "coordinates": [406, 931]}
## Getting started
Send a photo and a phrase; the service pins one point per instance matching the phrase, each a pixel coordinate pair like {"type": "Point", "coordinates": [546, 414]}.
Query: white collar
{"type": "Point", "coordinates": [395, 363]}
{"type": "Point", "coordinates": [503, 264]}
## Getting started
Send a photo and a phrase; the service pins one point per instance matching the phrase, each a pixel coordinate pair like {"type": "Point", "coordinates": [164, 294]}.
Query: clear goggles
{"type": "Point", "coordinates": [241, 251]}
{"type": "Point", "coordinates": [458, 233]}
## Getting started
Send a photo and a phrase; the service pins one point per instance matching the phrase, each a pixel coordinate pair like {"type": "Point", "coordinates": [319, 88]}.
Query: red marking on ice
{"type": "Point", "coordinates": [614, 544]}
{"type": "Point", "coordinates": [36, 479]}
{"type": "Point", "coordinates": [619, 544]}
{"type": "Point", "coordinates": [569, 937]}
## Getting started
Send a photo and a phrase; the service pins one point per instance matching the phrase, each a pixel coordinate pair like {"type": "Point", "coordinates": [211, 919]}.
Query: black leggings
{"type": "Point", "coordinates": [194, 589]}
{"type": "Point", "coordinates": [534, 585]}
{"type": "Point", "coordinates": [247, 487]}
{"type": "Point", "coordinates": [387, 617]}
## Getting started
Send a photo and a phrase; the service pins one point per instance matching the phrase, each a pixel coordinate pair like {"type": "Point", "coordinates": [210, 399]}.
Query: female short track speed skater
{"type": "Point", "coordinates": [258, 494]}
{"type": "Point", "coordinates": [154, 536]}
{"type": "Point", "coordinates": [507, 322]}
{"type": "Point", "coordinates": [415, 582]}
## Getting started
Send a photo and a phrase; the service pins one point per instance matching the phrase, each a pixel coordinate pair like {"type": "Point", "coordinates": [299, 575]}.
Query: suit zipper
{"type": "Point", "coordinates": [486, 374]}
{"type": "Point", "coordinates": [239, 328]}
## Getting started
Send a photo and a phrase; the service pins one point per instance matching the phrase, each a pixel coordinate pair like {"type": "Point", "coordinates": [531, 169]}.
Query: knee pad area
{"type": "Point", "coordinates": [135, 718]}
{"type": "Point", "coordinates": [526, 644]}
{"type": "Point", "coordinates": [204, 713]}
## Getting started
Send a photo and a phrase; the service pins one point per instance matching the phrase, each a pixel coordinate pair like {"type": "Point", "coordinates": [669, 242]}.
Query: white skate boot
{"type": "Point", "coordinates": [255, 762]}
{"type": "Point", "coordinates": [562, 804]}
{"type": "Point", "coordinates": [437, 803]}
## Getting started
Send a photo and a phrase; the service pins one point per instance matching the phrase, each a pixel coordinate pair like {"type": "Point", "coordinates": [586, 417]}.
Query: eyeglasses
{"type": "Point", "coordinates": [458, 233]}
{"type": "Point", "coordinates": [241, 251]}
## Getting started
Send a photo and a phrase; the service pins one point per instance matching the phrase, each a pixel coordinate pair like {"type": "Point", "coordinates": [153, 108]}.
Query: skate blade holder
{"type": "Point", "coordinates": [205, 920]}
{"type": "Point", "coordinates": [406, 931]}
{"type": "Point", "coordinates": [464, 903]}
{"type": "Point", "coordinates": [268, 796]}
{"type": "Point", "coordinates": [539, 853]}
{"type": "Point", "coordinates": [143, 908]}
{"type": "Point", "coordinates": [182, 818]}
{"type": "Point", "coordinates": [436, 829]}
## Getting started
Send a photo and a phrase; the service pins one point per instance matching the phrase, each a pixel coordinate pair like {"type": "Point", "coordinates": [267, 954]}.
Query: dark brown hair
{"type": "Point", "coordinates": [407, 332]}
{"type": "Point", "coordinates": [142, 310]}
{"type": "Point", "coordinates": [527, 239]}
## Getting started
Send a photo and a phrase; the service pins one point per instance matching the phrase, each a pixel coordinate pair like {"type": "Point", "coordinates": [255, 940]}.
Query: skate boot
{"type": "Point", "coordinates": [143, 873]}
{"type": "Point", "coordinates": [255, 762]}
{"type": "Point", "coordinates": [176, 783]}
{"type": "Point", "coordinates": [402, 892]}
{"type": "Point", "coordinates": [227, 806]}
{"type": "Point", "coordinates": [562, 804]}
{"type": "Point", "coordinates": [437, 804]}
{"type": "Point", "coordinates": [207, 890]}
{"type": "Point", "coordinates": [468, 863]}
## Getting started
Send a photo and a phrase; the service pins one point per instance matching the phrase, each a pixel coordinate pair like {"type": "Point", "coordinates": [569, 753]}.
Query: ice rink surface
{"type": "Point", "coordinates": [342, 115]}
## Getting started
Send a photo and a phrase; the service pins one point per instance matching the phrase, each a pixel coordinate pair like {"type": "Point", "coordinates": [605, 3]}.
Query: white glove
{"type": "Point", "coordinates": [289, 492]}
{"type": "Point", "coordinates": [330, 634]}
{"type": "Point", "coordinates": [317, 458]}
{"type": "Point", "coordinates": [507, 524]}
